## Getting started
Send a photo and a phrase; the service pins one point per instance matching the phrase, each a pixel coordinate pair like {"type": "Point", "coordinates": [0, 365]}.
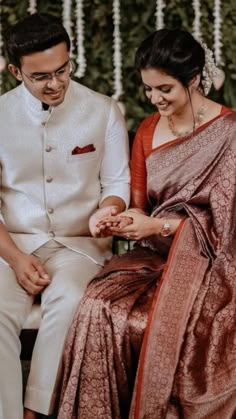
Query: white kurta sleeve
{"type": "Point", "coordinates": [115, 173]}
{"type": "Point", "coordinates": [1, 217]}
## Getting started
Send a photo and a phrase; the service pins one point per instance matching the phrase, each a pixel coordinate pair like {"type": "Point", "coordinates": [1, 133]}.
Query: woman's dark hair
{"type": "Point", "coordinates": [173, 51]}
{"type": "Point", "coordinates": [35, 33]}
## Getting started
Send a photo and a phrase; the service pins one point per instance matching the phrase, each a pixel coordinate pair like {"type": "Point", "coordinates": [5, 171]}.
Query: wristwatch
{"type": "Point", "coordinates": [165, 229]}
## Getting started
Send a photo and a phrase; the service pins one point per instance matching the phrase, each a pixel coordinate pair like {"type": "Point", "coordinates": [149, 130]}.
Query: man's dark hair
{"type": "Point", "coordinates": [35, 33]}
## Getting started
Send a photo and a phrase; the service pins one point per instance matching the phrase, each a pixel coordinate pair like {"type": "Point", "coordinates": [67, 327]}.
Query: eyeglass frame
{"type": "Point", "coordinates": [48, 77]}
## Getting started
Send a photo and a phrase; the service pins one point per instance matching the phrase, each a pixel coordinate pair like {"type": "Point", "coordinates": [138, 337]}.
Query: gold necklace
{"type": "Point", "coordinates": [197, 121]}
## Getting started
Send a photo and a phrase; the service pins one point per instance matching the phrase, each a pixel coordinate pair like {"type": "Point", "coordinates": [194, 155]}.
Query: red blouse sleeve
{"type": "Point", "coordinates": [138, 174]}
{"type": "Point", "coordinates": [142, 147]}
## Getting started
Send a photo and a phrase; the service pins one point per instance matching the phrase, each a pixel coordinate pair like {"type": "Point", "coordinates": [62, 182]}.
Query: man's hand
{"type": "Point", "coordinates": [30, 273]}
{"type": "Point", "coordinates": [97, 226]}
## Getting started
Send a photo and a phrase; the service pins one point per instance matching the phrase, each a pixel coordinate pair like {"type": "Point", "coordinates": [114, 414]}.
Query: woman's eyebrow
{"type": "Point", "coordinates": [159, 86]}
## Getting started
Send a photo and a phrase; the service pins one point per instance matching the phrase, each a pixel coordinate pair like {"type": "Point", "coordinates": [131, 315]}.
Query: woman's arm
{"type": "Point", "coordinates": [143, 225]}
{"type": "Point", "coordinates": [138, 174]}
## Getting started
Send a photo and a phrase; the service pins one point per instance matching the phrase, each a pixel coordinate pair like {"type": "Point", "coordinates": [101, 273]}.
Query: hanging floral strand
{"type": "Point", "coordinates": [66, 18]}
{"type": "Point", "coordinates": [32, 6]}
{"type": "Point", "coordinates": [218, 80]}
{"type": "Point", "coordinates": [159, 14]}
{"type": "Point", "coordinates": [196, 23]}
{"type": "Point", "coordinates": [80, 59]}
{"type": "Point", "coordinates": [217, 32]}
{"type": "Point", "coordinates": [117, 59]}
{"type": "Point", "coordinates": [2, 59]}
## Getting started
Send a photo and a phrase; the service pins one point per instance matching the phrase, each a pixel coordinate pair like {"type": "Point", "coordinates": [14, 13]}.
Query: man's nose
{"type": "Point", "coordinates": [54, 81]}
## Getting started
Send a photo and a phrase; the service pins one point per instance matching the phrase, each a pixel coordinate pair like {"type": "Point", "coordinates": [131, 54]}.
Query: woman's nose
{"type": "Point", "coordinates": [155, 97]}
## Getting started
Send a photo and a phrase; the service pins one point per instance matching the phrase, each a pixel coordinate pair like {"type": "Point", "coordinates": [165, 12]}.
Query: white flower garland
{"type": "Point", "coordinates": [66, 19]}
{"type": "Point", "coordinates": [117, 59]}
{"type": "Point", "coordinates": [159, 14]}
{"type": "Point", "coordinates": [217, 32]}
{"type": "Point", "coordinates": [197, 17]}
{"type": "Point", "coordinates": [32, 6]}
{"type": "Point", "coordinates": [80, 59]}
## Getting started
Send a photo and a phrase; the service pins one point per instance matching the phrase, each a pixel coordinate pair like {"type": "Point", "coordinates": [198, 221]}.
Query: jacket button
{"type": "Point", "coordinates": [49, 179]}
{"type": "Point", "coordinates": [51, 233]}
{"type": "Point", "coordinates": [48, 148]}
{"type": "Point", "coordinates": [50, 210]}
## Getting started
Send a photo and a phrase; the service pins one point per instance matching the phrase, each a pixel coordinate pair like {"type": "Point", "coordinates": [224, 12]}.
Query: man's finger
{"type": "Point", "coordinates": [41, 270]}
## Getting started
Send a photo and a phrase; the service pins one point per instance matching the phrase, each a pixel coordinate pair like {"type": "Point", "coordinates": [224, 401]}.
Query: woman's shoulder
{"type": "Point", "coordinates": [149, 120]}
{"type": "Point", "coordinates": [225, 109]}
{"type": "Point", "coordinates": [145, 132]}
{"type": "Point", "coordinates": [229, 115]}
{"type": "Point", "coordinates": [147, 126]}
{"type": "Point", "coordinates": [216, 111]}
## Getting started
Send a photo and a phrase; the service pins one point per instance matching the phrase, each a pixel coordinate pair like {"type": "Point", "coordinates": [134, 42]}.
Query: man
{"type": "Point", "coordinates": [63, 167]}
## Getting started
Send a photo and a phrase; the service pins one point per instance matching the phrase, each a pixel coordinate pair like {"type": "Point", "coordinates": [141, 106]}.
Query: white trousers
{"type": "Point", "coordinates": [70, 273]}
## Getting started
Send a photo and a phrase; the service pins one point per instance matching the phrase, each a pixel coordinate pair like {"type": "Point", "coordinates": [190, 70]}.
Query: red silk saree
{"type": "Point", "coordinates": [154, 336]}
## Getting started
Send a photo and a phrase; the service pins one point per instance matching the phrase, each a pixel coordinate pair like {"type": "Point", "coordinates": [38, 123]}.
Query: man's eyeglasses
{"type": "Point", "coordinates": [63, 72]}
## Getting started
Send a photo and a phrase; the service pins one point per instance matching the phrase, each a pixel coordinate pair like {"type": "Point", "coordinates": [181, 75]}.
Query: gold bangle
{"type": "Point", "coordinates": [165, 229]}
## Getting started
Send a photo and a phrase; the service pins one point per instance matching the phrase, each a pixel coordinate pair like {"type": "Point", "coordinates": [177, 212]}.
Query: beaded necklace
{"type": "Point", "coordinates": [197, 121]}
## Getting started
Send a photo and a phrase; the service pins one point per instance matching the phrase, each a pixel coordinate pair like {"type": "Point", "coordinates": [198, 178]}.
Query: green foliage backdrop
{"type": "Point", "coordinates": [137, 21]}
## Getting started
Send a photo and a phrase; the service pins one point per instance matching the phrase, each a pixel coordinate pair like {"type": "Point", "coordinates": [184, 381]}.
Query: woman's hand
{"type": "Point", "coordinates": [134, 224]}
{"type": "Point", "coordinates": [139, 226]}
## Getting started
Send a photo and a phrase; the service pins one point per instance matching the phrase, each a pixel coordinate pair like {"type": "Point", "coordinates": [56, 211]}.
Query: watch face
{"type": "Point", "coordinates": [165, 230]}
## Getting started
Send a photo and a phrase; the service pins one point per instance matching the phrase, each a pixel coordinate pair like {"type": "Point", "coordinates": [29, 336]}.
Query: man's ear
{"type": "Point", "coordinates": [15, 71]}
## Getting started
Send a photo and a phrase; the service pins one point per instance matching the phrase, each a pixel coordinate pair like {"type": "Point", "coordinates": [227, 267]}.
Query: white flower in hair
{"type": "Point", "coordinates": [210, 69]}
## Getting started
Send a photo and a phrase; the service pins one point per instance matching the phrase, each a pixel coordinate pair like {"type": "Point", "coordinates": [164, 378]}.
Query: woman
{"type": "Point", "coordinates": [154, 336]}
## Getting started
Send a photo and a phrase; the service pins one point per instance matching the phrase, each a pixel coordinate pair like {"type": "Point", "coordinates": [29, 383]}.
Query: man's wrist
{"type": "Point", "coordinates": [12, 256]}
{"type": "Point", "coordinates": [113, 201]}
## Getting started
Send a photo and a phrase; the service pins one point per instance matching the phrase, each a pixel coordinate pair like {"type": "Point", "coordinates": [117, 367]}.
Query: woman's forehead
{"type": "Point", "coordinates": [153, 76]}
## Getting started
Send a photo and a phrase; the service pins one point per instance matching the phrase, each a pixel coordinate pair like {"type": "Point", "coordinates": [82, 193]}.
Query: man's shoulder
{"type": "Point", "coordinates": [10, 96]}
{"type": "Point", "coordinates": [86, 93]}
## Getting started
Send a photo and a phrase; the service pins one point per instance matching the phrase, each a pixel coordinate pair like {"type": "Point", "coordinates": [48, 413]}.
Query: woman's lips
{"type": "Point", "coordinates": [162, 106]}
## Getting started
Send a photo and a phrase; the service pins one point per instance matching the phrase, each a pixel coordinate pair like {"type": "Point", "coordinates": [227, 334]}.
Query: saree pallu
{"type": "Point", "coordinates": [157, 326]}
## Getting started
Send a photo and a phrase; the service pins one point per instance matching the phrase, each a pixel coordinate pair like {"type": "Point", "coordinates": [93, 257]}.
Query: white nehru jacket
{"type": "Point", "coordinates": [46, 191]}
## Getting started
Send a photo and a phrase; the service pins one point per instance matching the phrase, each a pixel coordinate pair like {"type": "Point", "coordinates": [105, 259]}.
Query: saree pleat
{"type": "Point", "coordinates": [104, 342]}
{"type": "Point", "coordinates": [155, 335]}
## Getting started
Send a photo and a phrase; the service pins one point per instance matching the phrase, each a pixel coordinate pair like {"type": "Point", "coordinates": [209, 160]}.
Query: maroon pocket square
{"type": "Point", "coordinates": [81, 150]}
